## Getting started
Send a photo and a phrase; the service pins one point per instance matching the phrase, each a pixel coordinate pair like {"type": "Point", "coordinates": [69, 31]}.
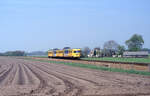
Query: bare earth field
{"type": "Point", "coordinates": [20, 77]}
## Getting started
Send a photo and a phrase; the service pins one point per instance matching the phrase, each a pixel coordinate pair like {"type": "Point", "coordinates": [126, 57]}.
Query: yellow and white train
{"type": "Point", "coordinates": [65, 53]}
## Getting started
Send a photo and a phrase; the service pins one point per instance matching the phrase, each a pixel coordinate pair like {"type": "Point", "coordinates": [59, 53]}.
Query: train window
{"type": "Point", "coordinates": [77, 51]}
{"type": "Point", "coordinates": [66, 51]}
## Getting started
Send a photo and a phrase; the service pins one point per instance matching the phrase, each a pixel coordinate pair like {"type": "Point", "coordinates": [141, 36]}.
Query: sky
{"type": "Point", "coordinates": [33, 25]}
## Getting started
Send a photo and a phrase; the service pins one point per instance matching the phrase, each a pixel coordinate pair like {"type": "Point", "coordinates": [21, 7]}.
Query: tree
{"type": "Point", "coordinates": [135, 43]}
{"type": "Point", "coordinates": [85, 51]}
{"type": "Point", "coordinates": [14, 53]}
{"type": "Point", "coordinates": [37, 53]}
{"type": "Point", "coordinates": [110, 48]}
{"type": "Point", "coordinates": [1, 54]}
{"type": "Point", "coordinates": [121, 49]}
{"type": "Point", "coordinates": [111, 45]}
{"type": "Point", "coordinates": [108, 53]}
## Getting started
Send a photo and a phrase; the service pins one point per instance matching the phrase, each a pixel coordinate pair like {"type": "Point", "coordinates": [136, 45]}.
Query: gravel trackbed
{"type": "Point", "coordinates": [19, 77]}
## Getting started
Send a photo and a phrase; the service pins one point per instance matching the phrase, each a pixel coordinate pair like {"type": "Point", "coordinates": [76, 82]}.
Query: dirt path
{"type": "Point", "coordinates": [20, 77]}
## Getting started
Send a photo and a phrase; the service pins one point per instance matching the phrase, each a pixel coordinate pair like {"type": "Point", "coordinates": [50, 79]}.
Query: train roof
{"type": "Point", "coordinates": [63, 49]}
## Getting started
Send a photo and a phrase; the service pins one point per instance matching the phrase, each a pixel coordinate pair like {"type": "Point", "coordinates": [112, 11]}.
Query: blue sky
{"type": "Point", "coordinates": [33, 25]}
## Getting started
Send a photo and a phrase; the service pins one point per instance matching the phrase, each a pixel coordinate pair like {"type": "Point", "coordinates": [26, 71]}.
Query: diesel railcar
{"type": "Point", "coordinates": [65, 53]}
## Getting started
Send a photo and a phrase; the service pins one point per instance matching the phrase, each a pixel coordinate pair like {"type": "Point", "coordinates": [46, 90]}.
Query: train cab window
{"type": "Point", "coordinates": [77, 51]}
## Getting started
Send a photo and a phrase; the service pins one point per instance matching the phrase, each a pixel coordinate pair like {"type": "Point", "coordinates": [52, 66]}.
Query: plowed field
{"type": "Point", "coordinates": [20, 77]}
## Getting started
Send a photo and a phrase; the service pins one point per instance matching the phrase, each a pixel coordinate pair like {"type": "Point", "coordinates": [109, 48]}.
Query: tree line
{"type": "Point", "coordinates": [13, 53]}
{"type": "Point", "coordinates": [111, 47]}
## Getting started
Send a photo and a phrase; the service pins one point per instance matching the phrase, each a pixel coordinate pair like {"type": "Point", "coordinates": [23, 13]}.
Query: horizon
{"type": "Point", "coordinates": [40, 25]}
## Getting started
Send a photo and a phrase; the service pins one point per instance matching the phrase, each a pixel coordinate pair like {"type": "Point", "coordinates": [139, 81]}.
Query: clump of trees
{"type": "Point", "coordinates": [85, 51]}
{"type": "Point", "coordinates": [1, 54]}
{"type": "Point", "coordinates": [135, 43]}
{"type": "Point", "coordinates": [111, 47]}
{"type": "Point", "coordinates": [13, 53]}
{"type": "Point", "coordinates": [37, 53]}
{"type": "Point", "coordinates": [121, 49]}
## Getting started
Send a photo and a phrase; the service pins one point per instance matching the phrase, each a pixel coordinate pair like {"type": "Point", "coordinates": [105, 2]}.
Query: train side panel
{"type": "Point", "coordinates": [60, 53]}
{"type": "Point", "coordinates": [67, 53]}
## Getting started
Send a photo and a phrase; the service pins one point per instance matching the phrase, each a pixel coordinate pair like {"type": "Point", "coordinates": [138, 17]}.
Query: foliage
{"type": "Point", "coordinates": [138, 60]}
{"type": "Point", "coordinates": [37, 53]}
{"type": "Point", "coordinates": [85, 51]}
{"type": "Point", "coordinates": [135, 43]}
{"type": "Point", "coordinates": [95, 67]}
{"type": "Point", "coordinates": [108, 52]}
{"type": "Point", "coordinates": [14, 53]}
{"type": "Point", "coordinates": [111, 45]}
{"type": "Point", "coordinates": [110, 48]}
{"type": "Point", "coordinates": [1, 54]}
{"type": "Point", "coordinates": [121, 49]}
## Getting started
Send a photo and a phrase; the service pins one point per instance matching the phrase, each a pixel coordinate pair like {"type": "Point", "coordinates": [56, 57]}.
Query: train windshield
{"type": "Point", "coordinates": [77, 51]}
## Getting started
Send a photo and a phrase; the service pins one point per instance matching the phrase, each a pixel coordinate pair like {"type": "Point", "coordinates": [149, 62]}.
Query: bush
{"type": "Point", "coordinates": [14, 53]}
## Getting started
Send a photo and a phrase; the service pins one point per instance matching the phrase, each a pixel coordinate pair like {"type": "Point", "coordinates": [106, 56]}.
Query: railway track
{"type": "Point", "coordinates": [112, 64]}
{"type": "Point", "coordinates": [103, 61]}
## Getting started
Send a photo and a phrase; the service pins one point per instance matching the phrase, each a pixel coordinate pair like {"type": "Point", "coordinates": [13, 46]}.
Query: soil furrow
{"type": "Point", "coordinates": [69, 75]}
{"type": "Point", "coordinates": [43, 83]}
{"type": "Point", "coordinates": [35, 78]}
{"type": "Point", "coordinates": [21, 79]}
{"type": "Point", "coordinates": [70, 87]}
{"type": "Point", "coordinates": [29, 76]}
{"type": "Point", "coordinates": [6, 74]}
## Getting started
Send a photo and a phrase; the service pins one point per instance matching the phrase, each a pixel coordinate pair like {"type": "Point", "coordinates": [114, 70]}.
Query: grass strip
{"type": "Point", "coordinates": [132, 60]}
{"type": "Point", "coordinates": [116, 59]}
{"type": "Point", "coordinates": [95, 67]}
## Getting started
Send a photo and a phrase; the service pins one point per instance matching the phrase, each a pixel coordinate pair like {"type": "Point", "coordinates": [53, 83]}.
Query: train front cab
{"type": "Point", "coordinates": [76, 53]}
{"type": "Point", "coordinates": [50, 54]}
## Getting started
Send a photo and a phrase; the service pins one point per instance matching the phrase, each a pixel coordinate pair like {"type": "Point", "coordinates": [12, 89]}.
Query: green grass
{"type": "Point", "coordinates": [95, 67]}
{"type": "Point", "coordinates": [137, 60]}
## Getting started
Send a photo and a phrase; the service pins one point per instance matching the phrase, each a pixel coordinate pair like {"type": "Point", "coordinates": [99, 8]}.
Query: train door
{"type": "Point", "coordinates": [55, 53]}
{"type": "Point", "coordinates": [70, 53]}
{"type": "Point", "coordinates": [66, 52]}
